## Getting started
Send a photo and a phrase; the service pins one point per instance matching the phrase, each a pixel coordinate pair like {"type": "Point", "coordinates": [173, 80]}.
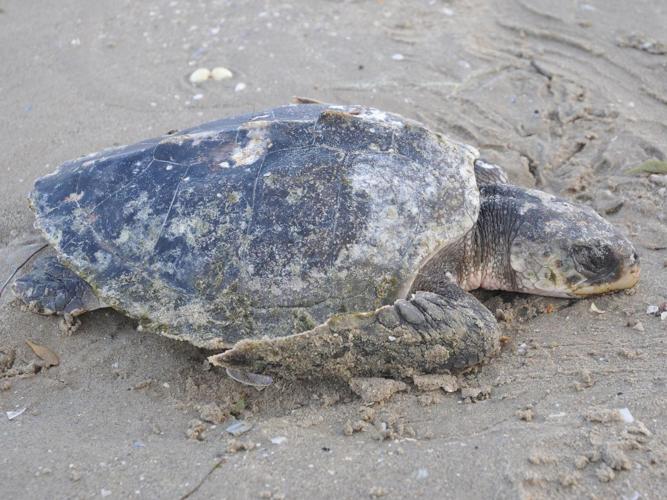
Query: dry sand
{"type": "Point", "coordinates": [557, 92]}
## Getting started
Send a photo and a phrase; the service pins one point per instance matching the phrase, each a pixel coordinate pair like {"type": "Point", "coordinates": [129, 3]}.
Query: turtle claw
{"type": "Point", "coordinates": [305, 100]}
{"type": "Point", "coordinates": [247, 378]}
{"type": "Point", "coordinates": [236, 357]}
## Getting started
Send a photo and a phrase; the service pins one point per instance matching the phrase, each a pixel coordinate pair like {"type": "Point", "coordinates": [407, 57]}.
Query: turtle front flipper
{"type": "Point", "coordinates": [51, 288]}
{"type": "Point", "coordinates": [428, 333]}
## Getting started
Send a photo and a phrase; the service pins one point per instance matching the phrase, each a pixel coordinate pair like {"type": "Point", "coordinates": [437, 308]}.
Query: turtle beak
{"type": "Point", "coordinates": [626, 278]}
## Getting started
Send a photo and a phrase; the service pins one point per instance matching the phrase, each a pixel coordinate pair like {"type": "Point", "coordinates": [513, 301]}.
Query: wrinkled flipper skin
{"type": "Point", "coordinates": [51, 288]}
{"type": "Point", "coordinates": [429, 333]}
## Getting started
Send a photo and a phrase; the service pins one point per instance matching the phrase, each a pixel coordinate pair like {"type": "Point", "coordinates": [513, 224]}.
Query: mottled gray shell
{"type": "Point", "coordinates": [260, 225]}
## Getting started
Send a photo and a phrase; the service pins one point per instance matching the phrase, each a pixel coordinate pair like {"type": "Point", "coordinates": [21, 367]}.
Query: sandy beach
{"type": "Point", "coordinates": [569, 97]}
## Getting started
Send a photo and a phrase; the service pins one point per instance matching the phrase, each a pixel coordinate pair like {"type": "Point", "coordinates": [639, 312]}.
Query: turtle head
{"type": "Point", "coordinates": [557, 248]}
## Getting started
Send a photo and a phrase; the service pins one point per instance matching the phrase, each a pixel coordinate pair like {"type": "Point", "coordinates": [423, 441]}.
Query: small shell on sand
{"type": "Point", "coordinates": [200, 75]}
{"type": "Point", "coordinates": [218, 73]}
{"type": "Point", "coordinates": [221, 73]}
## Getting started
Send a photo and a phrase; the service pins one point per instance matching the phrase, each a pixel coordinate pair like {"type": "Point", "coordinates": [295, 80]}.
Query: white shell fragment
{"type": "Point", "coordinates": [638, 326]}
{"type": "Point", "coordinates": [595, 309]}
{"type": "Point", "coordinates": [660, 311]}
{"type": "Point", "coordinates": [200, 75]}
{"type": "Point", "coordinates": [279, 440]}
{"type": "Point", "coordinates": [626, 415]}
{"type": "Point", "coordinates": [220, 73]}
{"type": "Point", "coordinates": [240, 87]}
{"type": "Point", "coordinates": [11, 415]}
{"type": "Point", "coordinates": [238, 427]}
{"type": "Point", "coordinates": [421, 473]}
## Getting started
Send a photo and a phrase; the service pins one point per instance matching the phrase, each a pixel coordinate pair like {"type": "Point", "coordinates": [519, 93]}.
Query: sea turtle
{"type": "Point", "coordinates": [312, 240]}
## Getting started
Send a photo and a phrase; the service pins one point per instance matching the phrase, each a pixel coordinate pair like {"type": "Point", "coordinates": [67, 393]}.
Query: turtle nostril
{"type": "Point", "coordinates": [634, 258]}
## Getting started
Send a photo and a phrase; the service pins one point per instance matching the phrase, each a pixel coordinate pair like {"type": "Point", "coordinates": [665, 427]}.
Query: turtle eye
{"type": "Point", "coordinates": [593, 260]}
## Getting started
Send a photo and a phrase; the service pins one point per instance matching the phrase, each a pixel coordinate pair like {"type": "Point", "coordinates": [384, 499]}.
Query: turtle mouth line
{"type": "Point", "coordinates": [628, 278]}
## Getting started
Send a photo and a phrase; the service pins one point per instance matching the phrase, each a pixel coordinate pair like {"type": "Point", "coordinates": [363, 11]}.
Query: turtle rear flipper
{"type": "Point", "coordinates": [51, 288]}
